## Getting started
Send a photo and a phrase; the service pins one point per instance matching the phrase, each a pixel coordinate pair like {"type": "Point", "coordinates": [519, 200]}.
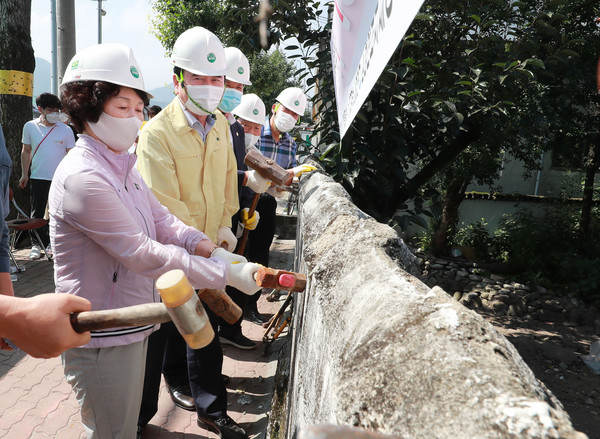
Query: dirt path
{"type": "Point", "coordinates": [553, 352]}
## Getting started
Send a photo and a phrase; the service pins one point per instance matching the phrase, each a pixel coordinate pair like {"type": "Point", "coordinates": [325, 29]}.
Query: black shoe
{"type": "Point", "coordinates": [223, 426]}
{"type": "Point", "coordinates": [256, 317]}
{"type": "Point", "coordinates": [238, 340]}
{"type": "Point", "coordinates": [182, 397]}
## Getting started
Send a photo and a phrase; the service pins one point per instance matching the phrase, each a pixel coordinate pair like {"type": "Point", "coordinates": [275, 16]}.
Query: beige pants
{"type": "Point", "coordinates": [108, 384]}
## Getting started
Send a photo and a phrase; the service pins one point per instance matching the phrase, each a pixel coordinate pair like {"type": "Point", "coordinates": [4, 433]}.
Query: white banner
{"type": "Point", "coordinates": [364, 36]}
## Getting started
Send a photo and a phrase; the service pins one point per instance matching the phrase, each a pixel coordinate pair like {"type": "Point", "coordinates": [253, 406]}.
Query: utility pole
{"type": "Point", "coordinates": [53, 74]}
{"type": "Point", "coordinates": [66, 48]}
{"type": "Point", "coordinates": [101, 12]}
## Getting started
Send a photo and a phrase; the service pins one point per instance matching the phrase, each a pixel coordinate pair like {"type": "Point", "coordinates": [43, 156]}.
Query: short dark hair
{"type": "Point", "coordinates": [47, 100]}
{"type": "Point", "coordinates": [154, 110]}
{"type": "Point", "coordinates": [84, 100]}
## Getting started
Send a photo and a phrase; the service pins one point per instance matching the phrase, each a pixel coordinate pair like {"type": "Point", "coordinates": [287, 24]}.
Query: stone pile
{"type": "Point", "coordinates": [478, 289]}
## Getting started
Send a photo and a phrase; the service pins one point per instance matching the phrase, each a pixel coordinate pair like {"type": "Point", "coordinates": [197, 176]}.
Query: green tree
{"type": "Point", "coordinates": [233, 22]}
{"type": "Point", "coordinates": [270, 73]}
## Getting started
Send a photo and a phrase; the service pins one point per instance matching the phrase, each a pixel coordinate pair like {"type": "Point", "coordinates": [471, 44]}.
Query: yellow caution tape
{"type": "Point", "coordinates": [15, 82]}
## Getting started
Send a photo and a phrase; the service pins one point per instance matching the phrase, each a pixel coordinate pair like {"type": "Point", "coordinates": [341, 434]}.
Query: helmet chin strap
{"type": "Point", "coordinates": [180, 79]}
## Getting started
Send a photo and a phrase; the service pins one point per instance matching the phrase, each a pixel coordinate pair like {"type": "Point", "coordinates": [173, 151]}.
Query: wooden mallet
{"type": "Point", "coordinates": [268, 169]}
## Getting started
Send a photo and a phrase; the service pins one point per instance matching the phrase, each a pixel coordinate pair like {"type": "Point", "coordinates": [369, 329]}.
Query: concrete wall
{"type": "Point", "coordinates": [374, 347]}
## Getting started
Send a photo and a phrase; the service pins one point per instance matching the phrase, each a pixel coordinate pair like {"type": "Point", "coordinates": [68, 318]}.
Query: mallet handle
{"type": "Point", "coordinates": [221, 304]}
{"type": "Point", "coordinates": [244, 238]}
{"type": "Point", "coordinates": [137, 315]}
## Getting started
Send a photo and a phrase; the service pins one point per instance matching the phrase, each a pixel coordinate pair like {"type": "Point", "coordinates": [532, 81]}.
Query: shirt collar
{"type": "Point", "coordinates": [195, 124]}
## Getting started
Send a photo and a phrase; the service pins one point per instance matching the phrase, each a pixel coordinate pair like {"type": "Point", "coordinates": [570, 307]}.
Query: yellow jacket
{"type": "Point", "coordinates": [197, 182]}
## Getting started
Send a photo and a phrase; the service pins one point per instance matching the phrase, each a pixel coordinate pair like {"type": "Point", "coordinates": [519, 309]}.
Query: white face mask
{"type": "Point", "coordinates": [284, 122]}
{"type": "Point", "coordinates": [117, 133]}
{"type": "Point", "coordinates": [203, 99]}
{"type": "Point", "coordinates": [250, 140]}
{"type": "Point", "coordinates": [52, 117]}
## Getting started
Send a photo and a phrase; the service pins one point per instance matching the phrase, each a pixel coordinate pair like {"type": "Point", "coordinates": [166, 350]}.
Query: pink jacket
{"type": "Point", "coordinates": [112, 238]}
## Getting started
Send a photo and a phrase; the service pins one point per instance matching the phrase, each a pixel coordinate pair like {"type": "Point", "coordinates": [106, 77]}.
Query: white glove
{"type": "Point", "coordinates": [257, 182]}
{"type": "Point", "coordinates": [249, 223]}
{"type": "Point", "coordinates": [274, 191]}
{"type": "Point", "coordinates": [226, 238]}
{"type": "Point", "coordinates": [299, 170]}
{"type": "Point", "coordinates": [228, 257]}
{"type": "Point", "coordinates": [241, 277]}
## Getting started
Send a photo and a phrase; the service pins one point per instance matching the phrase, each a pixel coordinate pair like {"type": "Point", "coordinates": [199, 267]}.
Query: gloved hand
{"type": "Point", "coordinates": [299, 170]}
{"type": "Point", "coordinates": [228, 257]}
{"type": "Point", "coordinates": [257, 182]}
{"type": "Point", "coordinates": [241, 276]}
{"type": "Point", "coordinates": [226, 238]}
{"type": "Point", "coordinates": [276, 192]}
{"type": "Point", "coordinates": [252, 222]}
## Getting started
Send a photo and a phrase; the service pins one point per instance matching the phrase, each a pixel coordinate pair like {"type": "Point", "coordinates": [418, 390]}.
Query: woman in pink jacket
{"type": "Point", "coordinates": [112, 238]}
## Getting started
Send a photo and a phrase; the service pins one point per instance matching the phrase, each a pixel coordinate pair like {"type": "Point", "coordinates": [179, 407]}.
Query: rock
{"type": "Point", "coordinates": [504, 290]}
{"type": "Point", "coordinates": [496, 277]}
{"type": "Point", "coordinates": [475, 278]}
{"type": "Point", "coordinates": [499, 306]}
{"type": "Point", "coordinates": [553, 305]}
{"type": "Point", "coordinates": [541, 290]}
{"type": "Point", "coordinates": [484, 295]}
{"type": "Point", "coordinates": [457, 296]}
{"type": "Point", "coordinates": [502, 298]}
{"type": "Point", "coordinates": [514, 311]}
{"type": "Point", "coordinates": [436, 266]}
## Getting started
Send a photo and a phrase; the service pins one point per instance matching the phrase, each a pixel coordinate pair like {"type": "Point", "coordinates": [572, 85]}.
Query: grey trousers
{"type": "Point", "coordinates": [108, 385]}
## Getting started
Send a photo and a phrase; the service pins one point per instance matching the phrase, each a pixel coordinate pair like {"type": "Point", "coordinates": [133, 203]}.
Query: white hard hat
{"type": "Point", "coordinates": [109, 62]}
{"type": "Point", "coordinates": [238, 67]}
{"type": "Point", "coordinates": [293, 99]}
{"type": "Point", "coordinates": [251, 108]}
{"type": "Point", "coordinates": [199, 51]}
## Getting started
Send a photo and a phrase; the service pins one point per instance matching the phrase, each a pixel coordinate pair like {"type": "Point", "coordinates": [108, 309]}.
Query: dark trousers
{"type": "Point", "coordinates": [205, 367]}
{"type": "Point", "coordinates": [39, 190]}
{"type": "Point", "coordinates": [167, 355]}
{"type": "Point", "coordinates": [260, 240]}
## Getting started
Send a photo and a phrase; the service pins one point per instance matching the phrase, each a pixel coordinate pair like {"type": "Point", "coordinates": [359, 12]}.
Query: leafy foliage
{"type": "Point", "coordinates": [271, 73]}
{"type": "Point", "coordinates": [233, 22]}
{"type": "Point", "coordinates": [547, 249]}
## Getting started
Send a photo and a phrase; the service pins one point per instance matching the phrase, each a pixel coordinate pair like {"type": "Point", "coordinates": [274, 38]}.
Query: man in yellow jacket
{"type": "Point", "coordinates": [185, 157]}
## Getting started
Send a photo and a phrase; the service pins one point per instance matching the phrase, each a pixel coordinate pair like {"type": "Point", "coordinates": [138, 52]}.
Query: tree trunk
{"type": "Point", "coordinates": [455, 193]}
{"type": "Point", "coordinates": [410, 188]}
{"type": "Point", "coordinates": [17, 63]}
{"type": "Point", "coordinates": [591, 166]}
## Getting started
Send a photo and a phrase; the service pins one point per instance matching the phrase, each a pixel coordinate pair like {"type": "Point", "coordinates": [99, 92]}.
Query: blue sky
{"type": "Point", "coordinates": [127, 22]}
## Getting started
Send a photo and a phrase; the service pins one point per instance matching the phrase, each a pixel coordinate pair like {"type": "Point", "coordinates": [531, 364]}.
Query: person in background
{"type": "Point", "coordinates": [250, 116]}
{"type": "Point", "coordinates": [46, 141]}
{"type": "Point", "coordinates": [249, 181]}
{"type": "Point", "coordinates": [112, 238]}
{"type": "Point", "coordinates": [185, 157]}
{"type": "Point", "coordinates": [153, 111]}
{"type": "Point", "coordinates": [275, 143]}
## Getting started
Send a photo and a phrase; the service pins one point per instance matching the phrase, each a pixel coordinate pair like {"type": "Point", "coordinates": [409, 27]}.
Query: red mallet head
{"type": "Point", "coordinates": [287, 280]}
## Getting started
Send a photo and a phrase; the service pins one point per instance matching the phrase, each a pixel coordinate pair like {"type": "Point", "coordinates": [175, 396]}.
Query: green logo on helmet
{"type": "Point", "coordinates": [255, 111]}
{"type": "Point", "coordinates": [75, 65]}
{"type": "Point", "coordinates": [211, 57]}
{"type": "Point", "coordinates": [296, 103]}
{"type": "Point", "coordinates": [134, 72]}
{"type": "Point", "coordinates": [241, 70]}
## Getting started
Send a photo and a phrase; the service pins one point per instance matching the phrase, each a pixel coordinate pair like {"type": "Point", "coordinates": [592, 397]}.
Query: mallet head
{"type": "Point", "coordinates": [185, 309]}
